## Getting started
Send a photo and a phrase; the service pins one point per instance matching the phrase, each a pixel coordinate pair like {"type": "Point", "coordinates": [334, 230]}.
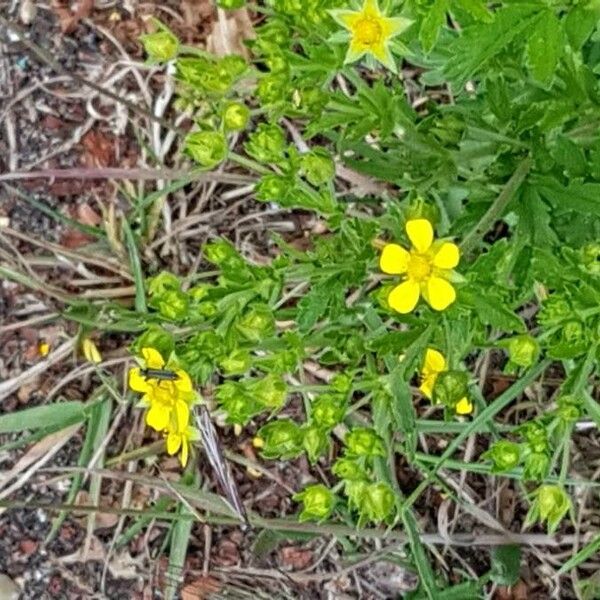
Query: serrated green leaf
{"type": "Point", "coordinates": [545, 46]}
{"type": "Point", "coordinates": [581, 22]}
{"type": "Point", "coordinates": [480, 43]}
{"type": "Point", "coordinates": [570, 156]}
{"type": "Point", "coordinates": [493, 311]}
{"type": "Point", "coordinates": [534, 218]}
{"type": "Point", "coordinates": [580, 197]}
{"type": "Point", "coordinates": [432, 23]}
{"type": "Point", "coordinates": [318, 301]}
{"type": "Point", "coordinates": [476, 8]}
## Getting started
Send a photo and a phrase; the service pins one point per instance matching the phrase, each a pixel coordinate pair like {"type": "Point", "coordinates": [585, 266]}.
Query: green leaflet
{"type": "Point", "coordinates": [545, 46]}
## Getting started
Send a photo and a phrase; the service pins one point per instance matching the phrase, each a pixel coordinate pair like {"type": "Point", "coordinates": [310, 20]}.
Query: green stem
{"type": "Point", "coordinates": [499, 205]}
{"type": "Point", "coordinates": [486, 415]}
{"type": "Point", "coordinates": [244, 161]}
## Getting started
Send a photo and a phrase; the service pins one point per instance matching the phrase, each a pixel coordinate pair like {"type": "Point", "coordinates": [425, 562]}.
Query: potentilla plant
{"type": "Point", "coordinates": [450, 153]}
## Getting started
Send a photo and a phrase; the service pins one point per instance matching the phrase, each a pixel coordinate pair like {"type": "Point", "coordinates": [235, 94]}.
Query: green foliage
{"type": "Point", "coordinates": [493, 138]}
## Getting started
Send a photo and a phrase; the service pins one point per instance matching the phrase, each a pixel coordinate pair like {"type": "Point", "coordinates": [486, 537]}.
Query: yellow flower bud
{"type": "Point", "coordinates": [90, 351]}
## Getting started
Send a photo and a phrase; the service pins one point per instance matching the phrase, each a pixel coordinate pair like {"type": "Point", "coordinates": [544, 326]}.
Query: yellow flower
{"type": "Point", "coordinates": [370, 32]}
{"type": "Point", "coordinates": [180, 440]}
{"type": "Point", "coordinates": [434, 364]}
{"type": "Point", "coordinates": [426, 269]}
{"type": "Point", "coordinates": [90, 351]}
{"type": "Point", "coordinates": [43, 349]}
{"type": "Point", "coordinates": [166, 399]}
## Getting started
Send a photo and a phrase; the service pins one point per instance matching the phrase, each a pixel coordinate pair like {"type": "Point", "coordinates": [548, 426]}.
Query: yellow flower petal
{"type": "Point", "coordinates": [404, 297]}
{"type": "Point", "coordinates": [173, 443]}
{"type": "Point", "coordinates": [152, 358]}
{"type": "Point", "coordinates": [420, 233]}
{"type": "Point", "coordinates": [427, 384]}
{"type": "Point", "coordinates": [91, 352]}
{"type": "Point", "coordinates": [185, 448]}
{"type": "Point", "coordinates": [137, 382]}
{"type": "Point", "coordinates": [464, 407]}
{"type": "Point", "coordinates": [183, 383]}
{"type": "Point", "coordinates": [182, 415]}
{"type": "Point", "coordinates": [158, 416]}
{"type": "Point", "coordinates": [43, 348]}
{"type": "Point", "coordinates": [439, 293]}
{"type": "Point", "coordinates": [434, 361]}
{"type": "Point", "coordinates": [394, 259]}
{"type": "Point", "coordinates": [447, 256]}
{"type": "Point", "coordinates": [371, 9]}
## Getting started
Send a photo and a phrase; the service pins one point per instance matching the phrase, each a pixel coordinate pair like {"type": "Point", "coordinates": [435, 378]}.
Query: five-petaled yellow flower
{"type": "Point", "coordinates": [370, 32]}
{"type": "Point", "coordinates": [426, 269]}
{"type": "Point", "coordinates": [434, 364]}
{"type": "Point", "coordinates": [168, 401]}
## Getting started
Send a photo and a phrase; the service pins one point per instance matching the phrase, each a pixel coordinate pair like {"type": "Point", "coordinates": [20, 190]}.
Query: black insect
{"type": "Point", "coordinates": [161, 374]}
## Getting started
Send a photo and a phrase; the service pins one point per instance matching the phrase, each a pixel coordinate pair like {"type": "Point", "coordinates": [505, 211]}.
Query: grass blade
{"type": "Point", "coordinates": [136, 269]}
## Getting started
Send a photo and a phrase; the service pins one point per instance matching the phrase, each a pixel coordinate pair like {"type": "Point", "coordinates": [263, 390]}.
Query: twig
{"type": "Point", "coordinates": [12, 385]}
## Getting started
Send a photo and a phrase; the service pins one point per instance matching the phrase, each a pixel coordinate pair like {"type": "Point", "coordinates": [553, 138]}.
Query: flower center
{"type": "Point", "coordinates": [419, 267]}
{"type": "Point", "coordinates": [165, 392]}
{"type": "Point", "coordinates": [368, 31]}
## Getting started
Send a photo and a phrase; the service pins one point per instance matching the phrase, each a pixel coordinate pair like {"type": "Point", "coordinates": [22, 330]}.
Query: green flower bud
{"type": "Point", "coordinates": [536, 466]}
{"type": "Point", "coordinates": [450, 388]}
{"type": "Point", "coordinates": [523, 350]}
{"type": "Point", "coordinates": [222, 253]}
{"type": "Point", "coordinates": [318, 502]}
{"type": "Point", "coordinates": [202, 74]}
{"type": "Point", "coordinates": [163, 282]}
{"type": "Point", "coordinates": [206, 309]}
{"type": "Point", "coordinates": [207, 148]}
{"type": "Point", "coordinates": [555, 309]}
{"type": "Point", "coordinates": [162, 45]}
{"type": "Point", "coordinates": [272, 88]}
{"type": "Point", "coordinates": [377, 502]}
{"type": "Point", "coordinates": [309, 101]}
{"type": "Point", "coordinates": [273, 188]}
{"type": "Point", "coordinates": [590, 256]}
{"type": "Point", "coordinates": [231, 4]}
{"type": "Point", "coordinates": [355, 490]}
{"type": "Point", "coordinates": [342, 383]}
{"type": "Point", "coordinates": [199, 292]}
{"type": "Point", "coordinates": [568, 408]}
{"type": "Point", "coordinates": [349, 469]}
{"type": "Point", "coordinates": [362, 441]}
{"type": "Point", "coordinates": [266, 144]}
{"type": "Point", "coordinates": [154, 337]}
{"type": "Point", "coordinates": [282, 439]}
{"type": "Point", "coordinates": [236, 116]}
{"type": "Point", "coordinates": [504, 455]}
{"type": "Point", "coordinates": [273, 35]}
{"type": "Point", "coordinates": [315, 441]}
{"type": "Point", "coordinates": [419, 208]}
{"type": "Point", "coordinates": [536, 436]}
{"type": "Point", "coordinates": [318, 167]}
{"type": "Point", "coordinates": [232, 65]}
{"type": "Point", "coordinates": [171, 304]}
{"type": "Point", "coordinates": [237, 363]}
{"type": "Point", "coordinates": [277, 63]}
{"type": "Point", "coordinates": [328, 410]}
{"type": "Point", "coordinates": [257, 324]}
{"type": "Point", "coordinates": [270, 392]}
{"type": "Point", "coordinates": [573, 332]}
{"type": "Point", "coordinates": [239, 406]}
{"type": "Point", "coordinates": [551, 504]}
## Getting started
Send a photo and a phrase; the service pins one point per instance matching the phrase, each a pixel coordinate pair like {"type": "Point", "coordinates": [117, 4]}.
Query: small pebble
{"type": "Point", "coordinates": [9, 590]}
